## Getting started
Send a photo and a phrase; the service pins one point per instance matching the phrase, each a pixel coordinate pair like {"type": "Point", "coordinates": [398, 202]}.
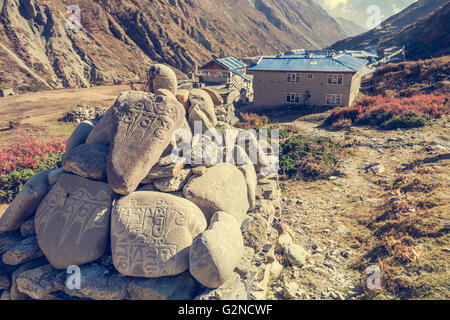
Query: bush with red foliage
{"type": "Point", "coordinates": [21, 160]}
{"type": "Point", "coordinates": [391, 113]}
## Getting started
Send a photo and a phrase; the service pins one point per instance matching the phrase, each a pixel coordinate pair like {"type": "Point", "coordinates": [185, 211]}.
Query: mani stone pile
{"type": "Point", "coordinates": [136, 224]}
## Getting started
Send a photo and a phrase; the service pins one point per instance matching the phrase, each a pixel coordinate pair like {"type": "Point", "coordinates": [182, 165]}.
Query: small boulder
{"type": "Point", "coordinates": [25, 203]}
{"type": "Point", "coordinates": [216, 98]}
{"type": "Point", "coordinates": [217, 251]}
{"type": "Point", "coordinates": [26, 250]}
{"type": "Point", "coordinates": [162, 77]}
{"type": "Point", "coordinates": [38, 283]}
{"type": "Point", "coordinates": [80, 134]}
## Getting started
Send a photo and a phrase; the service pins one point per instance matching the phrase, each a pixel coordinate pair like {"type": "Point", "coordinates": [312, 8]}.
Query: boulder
{"type": "Point", "coordinates": [233, 289]}
{"type": "Point", "coordinates": [245, 263]}
{"type": "Point", "coordinates": [87, 160]}
{"type": "Point", "coordinates": [97, 282]}
{"type": "Point", "coordinates": [183, 98]}
{"type": "Point", "coordinates": [197, 115]}
{"type": "Point", "coordinates": [142, 129]}
{"type": "Point", "coordinates": [102, 131]}
{"type": "Point", "coordinates": [179, 287]}
{"type": "Point", "coordinates": [216, 98]}
{"type": "Point", "coordinates": [217, 251]}
{"type": "Point", "coordinates": [72, 222]}
{"type": "Point", "coordinates": [26, 250]}
{"type": "Point", "coordinates": [172, 184]}
{"type": "Point", "coordinates": [39, 282]}
{"type": "Point", "coordinates": [221, 188]}
{"type": "Point", "coordinates": [162, 77]}
{"type": "Point", "coordinates": [25, 203]}
{"type": "Point", "coordinates": [80, 134]}
{"type": "Point", "coordinates": [53, 176]}
{"type": "Point", "coordinates": [151, 233]}
{"type": "Point", "coordinates": [165, 92]}
{"type": "Point", "coordinates": [245, 165]}
{"type": "Point", "coordinates": [255, 234]}
{"type": "Point", "coordinates": [232, 97]}
{"type": "Point", "coordinates": [200, 98]}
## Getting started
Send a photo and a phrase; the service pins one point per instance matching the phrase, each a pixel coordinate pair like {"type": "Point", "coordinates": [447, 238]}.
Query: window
{"type": "Point", "coordinates": [310, 75]}
{"type": "Point", "coordinates": [335, 79]}
{"type": "Point", "coordinates": [293, 78]}
{"type": "Point", "coordinates": [292, 98]}
{"type": "Point", "coordinates": [307, 95]}
{"type": "Point", "coordinates": [334, 99]}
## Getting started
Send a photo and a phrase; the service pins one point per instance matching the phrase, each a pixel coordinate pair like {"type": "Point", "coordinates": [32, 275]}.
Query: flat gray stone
{"type": "Point", "coordinates": [38, 283]}
{"type": "Point", "coordinates": [179, 287]}
{"type": "Point", "coordinates": [233, 289]}
{"type": "Point", "coordinates": [87, 160]}
{"type": "Point", "coordinates": [26, 250]}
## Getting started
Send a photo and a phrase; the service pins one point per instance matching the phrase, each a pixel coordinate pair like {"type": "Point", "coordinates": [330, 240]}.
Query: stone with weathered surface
{"type": "Point", "coordinates": [53, 176]}
{"type": "Point", "coordinates": [245, 165]}
{"type": "Point", "coordinates": [232, 97]}
{"type": "Point", "coordinates": [142, 129]}
{"type": "Point", "coordinates": [72, 222]}
{"type": "Point", "coordinates": [255, 234]}
{"type": "Point", "coordinates": [26, 250]}
{"type": "Point", "coordinates": [162, 77]}
{"type": "Point", "coordinates": [151, 233]}
{"type": "Point", "coordinates": [39, 282]}
{"type": "Point", "coordinates": [5, 275]}
{"type": "Point", "coordinates": [164, 168]}
{"type": "Point", "coordinates": [80, 134]}
{"type": "Point", "coordinates": [165, 92]}
{"type": "Point", "coordinates": [87, 160]}
{"type": "Point", "coordinates": [172, 184]}
{"type": "Point", "coordinates": [245, 262]}
{"type": "Point", "coordinates": [204, 151]}
{"type": "Point", "coordinates": [196, 115]}
{"type": "Point", "coordinates": [101, 134]}
{"type": "Point", "coordinates": [15, 294]}
{"type": "Point", "coordinates": [233, 289]}
{"type": "Point", "coordinates": [27, 228]}
{"type": "Point", "coordinates": [183, 98]}
{"type": "Point", "coordinates": [200, 98]}
{"type": "Point", "coordinates": [179, 287]}
{"type": "Point", "coordinates": [9, 240]}
{"type": "Point", "coordinates": [25, 203]}
{"type": "Point", "coordinates": [216, 252]}
{"type": "Point", "coordinates": [221, 188]}
{"type": "Point", "coordinates": [216, 98]}
{"type": "Point", "coordinates": [97, 282]}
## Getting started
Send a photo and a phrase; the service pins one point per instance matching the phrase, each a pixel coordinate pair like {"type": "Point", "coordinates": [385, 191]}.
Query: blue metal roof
{"type": "Point", "coordinates": [231, 63]}
{"type": "Point", "coordinates": [335, 63]}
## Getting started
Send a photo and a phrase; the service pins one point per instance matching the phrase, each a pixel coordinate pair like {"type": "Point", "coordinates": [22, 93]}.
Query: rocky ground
{"type": "Point", "coordinates": [329, 217]}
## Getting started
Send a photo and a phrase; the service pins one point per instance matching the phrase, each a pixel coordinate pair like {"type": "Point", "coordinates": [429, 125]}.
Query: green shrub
{"type": "Point", "coordinates": [405, 121]}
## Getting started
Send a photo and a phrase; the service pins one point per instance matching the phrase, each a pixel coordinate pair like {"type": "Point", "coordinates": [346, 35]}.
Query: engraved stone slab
{"type": "Point", "coordinates": [151, 233]}
{"type": "Point", "coordinates": [142, 128]}
{"type": "Point", "coordinates": [72, 222]}
{"type": "Point", "coordinates": [216, 252]}
{"type": "Point", "coordinates": [162, 77]}
{"type": "Point", "coordinates": [25, 203]}
{"type": "Point", "coordinates": [221, 188]}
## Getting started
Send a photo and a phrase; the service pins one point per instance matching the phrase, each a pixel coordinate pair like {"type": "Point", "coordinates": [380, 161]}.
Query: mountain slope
{"type": "Point", "coordinates": [423, 28]}
{"type": "Point", "coordinates": [349, 27]}
{"type": "Point", "coordinates": [118, 40]}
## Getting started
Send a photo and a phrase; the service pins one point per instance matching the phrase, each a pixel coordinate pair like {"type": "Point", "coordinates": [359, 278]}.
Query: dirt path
{"type": "Point", "coordinates": [327, 216]}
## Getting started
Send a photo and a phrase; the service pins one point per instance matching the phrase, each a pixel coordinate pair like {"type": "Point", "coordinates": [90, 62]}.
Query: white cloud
{"type": "Point", "coordinates": [333, 4]}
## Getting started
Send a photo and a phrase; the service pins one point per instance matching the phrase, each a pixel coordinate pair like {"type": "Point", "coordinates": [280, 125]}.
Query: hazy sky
{"type": "Point", "coordinates": [356, 10]}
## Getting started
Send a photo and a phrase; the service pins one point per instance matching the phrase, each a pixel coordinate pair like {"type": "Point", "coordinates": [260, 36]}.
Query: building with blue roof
{"type": "Point", "coordinates": [305, 77]}
{"type": "Point", "coordinates": [229, 71]}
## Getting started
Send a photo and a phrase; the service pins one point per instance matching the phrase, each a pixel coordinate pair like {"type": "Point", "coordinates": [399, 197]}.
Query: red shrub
{"type": "Point", "coordinates": [27, 153]}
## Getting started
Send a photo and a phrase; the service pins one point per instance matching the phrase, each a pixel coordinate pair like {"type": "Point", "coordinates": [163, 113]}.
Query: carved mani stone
{"type": "Point", "coordinates": [143, 125]}
{"type": "Point", "coordinates": [151, 234]}
{"type": "Point", "coordinates": [72, 222]}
